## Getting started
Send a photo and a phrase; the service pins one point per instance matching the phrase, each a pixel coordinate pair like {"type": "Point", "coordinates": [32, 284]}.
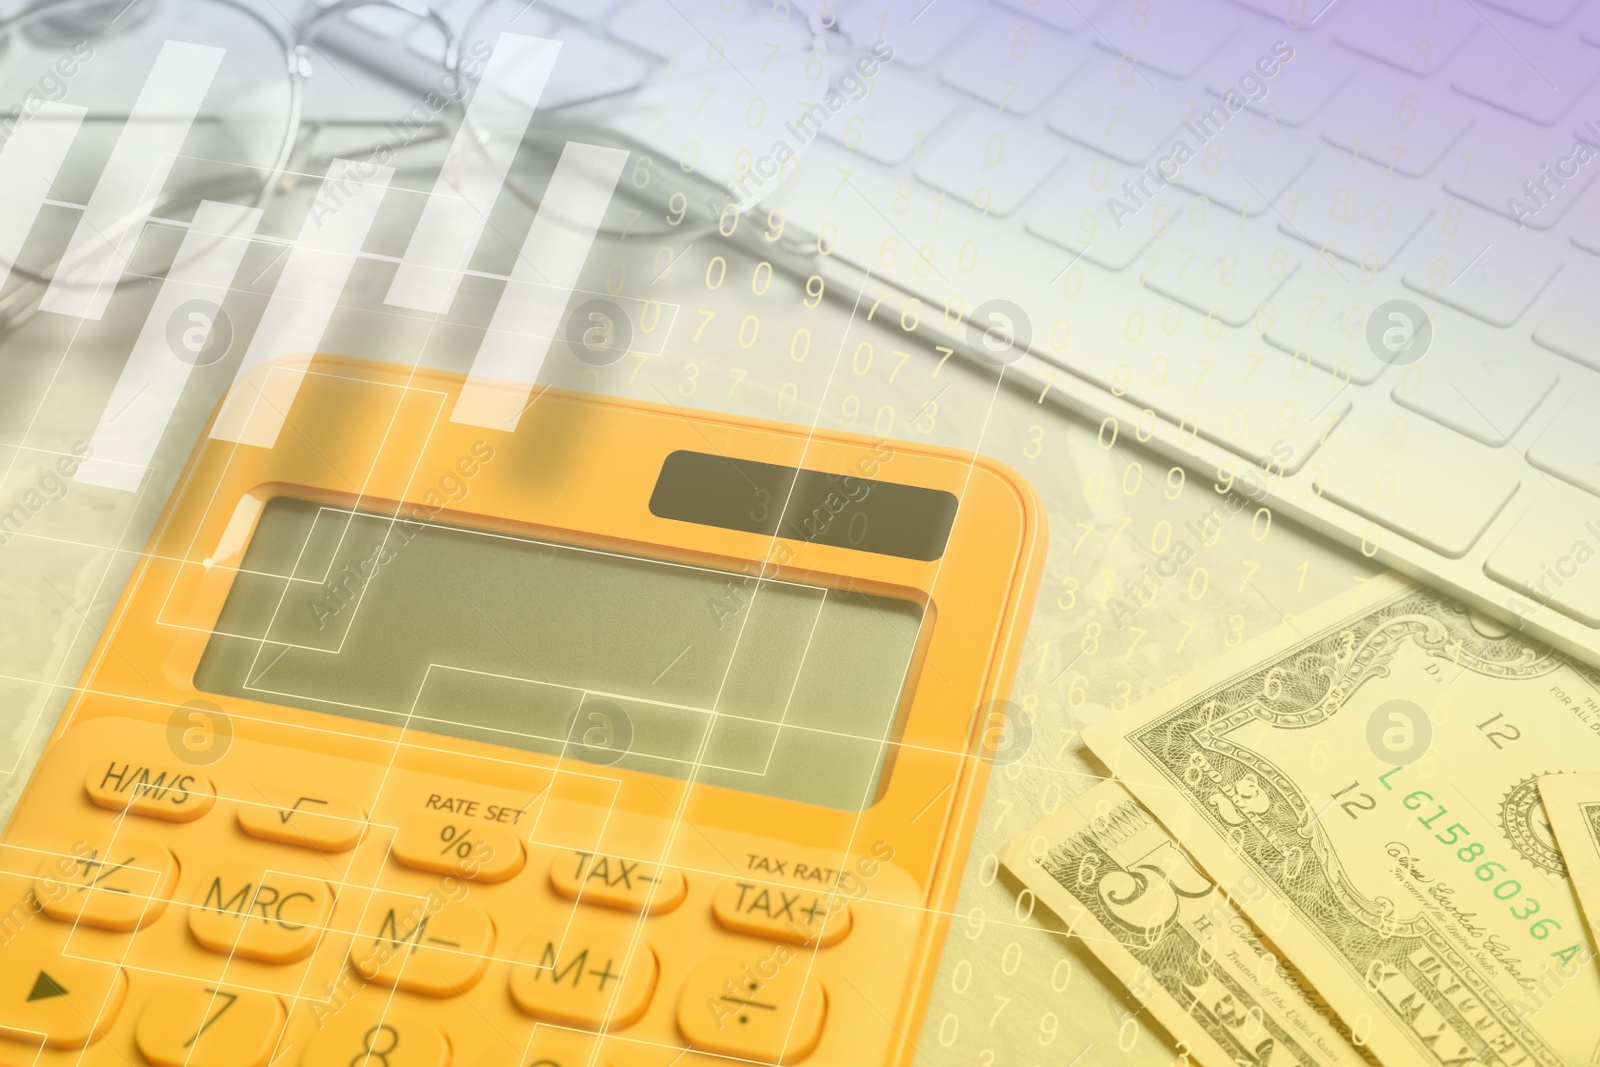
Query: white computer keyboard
{"type": "Point", "coordinates": [1219, 319]}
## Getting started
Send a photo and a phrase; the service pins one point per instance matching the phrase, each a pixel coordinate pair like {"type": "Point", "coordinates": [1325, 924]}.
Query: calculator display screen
{"type": "Point", "coordinates": [772, 687]}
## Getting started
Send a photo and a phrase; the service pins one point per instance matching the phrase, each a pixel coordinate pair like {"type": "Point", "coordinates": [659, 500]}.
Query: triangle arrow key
{"type": "Point", "coordinates": [45, 987]}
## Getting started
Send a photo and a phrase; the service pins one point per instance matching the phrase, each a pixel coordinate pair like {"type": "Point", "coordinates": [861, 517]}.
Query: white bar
{"type": "Point", "coordinates": [147, 393]}
{"type": "Point", "coordinates": [302, 303]}
{"type": "Point", "coordinates": [528, 316]}
{"type": "Point", "coordinates": [473, 173]}
{"type": "Point", "coordinates": [135, 173]}
{"type": "Point", "coordinates": [29, 163]}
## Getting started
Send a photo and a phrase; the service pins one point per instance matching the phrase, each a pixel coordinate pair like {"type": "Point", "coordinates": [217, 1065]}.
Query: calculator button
{"type": "Point", "coordinates": [550, 1046]}
{"type": "Point", "coordinates": [651, 1054]}
{"type": "Point", "coordinates": [596, 878]}
{"type": "Point", "coordinates": [69, 1002]}
{"type": "Point", "coordinates": [264, 915]}
{"type": "Point", "coordinates": [120, 888]}
{"type": "Point", "coordinates": [581, 972]}
{"type": "Point", "coordinates": [727, 1008]}
{"type": "Point", "coordinates": [290, 817]}
{"type": "Point", "coordinates": [193, 1024]}
{"type": "Point", "coordinates": [795, 915]}
{"type": "Point", "coordinates": [426, 944]}
{"type": "Point", "coordinates": [458, 847]}
{"type": "Point", "coordinates": [159, 792]}
{"type": "Point", "coordinates": [383, 1034]}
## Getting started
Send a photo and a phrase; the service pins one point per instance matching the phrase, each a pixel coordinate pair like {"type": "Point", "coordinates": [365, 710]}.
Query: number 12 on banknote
{"type": "Point", "coordinates": [1380, 777]}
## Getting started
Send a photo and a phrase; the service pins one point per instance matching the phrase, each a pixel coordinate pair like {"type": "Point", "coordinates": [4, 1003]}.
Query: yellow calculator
{"type": "Point", "coordinates": [631, 737]}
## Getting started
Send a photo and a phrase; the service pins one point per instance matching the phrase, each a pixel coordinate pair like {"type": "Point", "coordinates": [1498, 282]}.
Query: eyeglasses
{"type": "Point", "coordinates": [135, 111]}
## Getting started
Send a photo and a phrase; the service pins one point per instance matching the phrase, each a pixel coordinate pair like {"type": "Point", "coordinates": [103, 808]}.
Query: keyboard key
{"type": "Point", "coordinates": [121, 887]}
{"type": "Point", "coordinates": [917, 32]}
{"type": "Point", "coordinates": [911, 235]}
{"type": "Point", "coordinates": [1175, 37]}
{"type": "Point", "coordinates": [1481, 264]}
{"type": "Point", "coordinates": [893, 119]}
{"type": "Point", "coordinates": [726, 1007]}
{"type": "Point", "coordinates": [1117, 108]}
{"type": "Point", "coordinates": [290, 817]}
{"type": "Point", "coordinates": [683, 31]}
{"type": "Point", "coordinates": [1321, 318]}
{"type": "Point", "coordinates": [1573, 327]}
{"type": "Point", "coordinates": [1531, 175]}
{"type": "Point", "coordinates": [617, 882]}
{"type": "Point", "coordinates": [466, 849]}
{"type": "Point", "coordinates": [1544, 12]}
{"type": "Point", "coordinates": [1277, 11]}
{"type": "Point", "coordinates": [1069, 18]}
{"type": "Point", "coordinates": [584, 968]}
{"type": "Point", "coordinates": [1549, 554]}
{"type": "Point", "coordinates": [1532, 72]}
{"type": "Point", "coordinates": [1569, 447]}
{"type": "Point", "coordinates": [1087, 210]}
{"type": "Point", "coordinates": [726, 103]}
{"type": "Point", "coordinates": [1415, 477]}
{"type": "Point", "coordinates": [46, 995]}
{"type": "Point", "coordinates": [990, 161]}
{"type": "Point", "coordinates": [1476, 379]}
{"type": "Point", "coordinates": [1239, 395]}
{"type": "Point", "coordinates": [1586, 225]}
{"type": "Point", "coordinates": [175, 794]}
{"type": "Point", "coordinates": [426, 944]}
{"type": "Point", "coordinates": [260, 914]}
{"type": "Point", "coordinates": [796, 915]}
{"type": "Point", "coordinates": [377, 1033]}
{"type": "Point", "coordinates": [1416, 36]}
{"type": "Point", "coordinates": [1012, 64]}
{"type": "Point", "coordinates": [1221, 267]}
{"type": "Point", "coordinates": [489, 17]}
{"type": "Point", "coordinates": [1256, 407]}
{"type": "Point", "coordinates": [1245, 164]}
{"type": "Point", "coordinates": [1296, 89]}
{"type": "Point", "coordinates": [1355, 211]}
{"type": "Point", "coordinates": [1396, 121]}
{"type": "Point", "coordinates": [581, 10]}
{"type": "Point", "coordinates": [1252, 406]}
{"type": "Point", "coordinates": [664, 122]}
{"type": "Point", "coordinates": [193, 1024]}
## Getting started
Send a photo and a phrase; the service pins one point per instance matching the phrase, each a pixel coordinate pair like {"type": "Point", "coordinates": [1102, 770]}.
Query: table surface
{"type": "Point", "coordinates": [1012, 988]}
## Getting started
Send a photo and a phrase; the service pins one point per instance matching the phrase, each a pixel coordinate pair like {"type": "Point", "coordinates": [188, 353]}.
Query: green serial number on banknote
{"type": "Point", "coordinates": [1429, 903]}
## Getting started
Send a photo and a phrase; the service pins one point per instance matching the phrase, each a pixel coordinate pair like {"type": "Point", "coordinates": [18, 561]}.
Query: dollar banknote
{"type": "Point", "coordinates": [1572, 805]}
{"type": "Point", "coordinates": [1366, 787]}
{"type": "Point", "coordinates": [1120, 882]}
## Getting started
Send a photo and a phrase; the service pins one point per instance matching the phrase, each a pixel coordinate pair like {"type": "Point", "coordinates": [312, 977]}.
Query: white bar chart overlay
{"type": "Point", "coordinates": [302, 303]}
{"type": "Point", "coordinates": [146, 394]}
{"type": "Point", "coordinates": [474, 171]}
{"type": "Point", "coordinates": [528, 315]}
{"type": "Point", "coordinates": [135, 172]}
{"type": "Point", "coordinates": [29, 164]}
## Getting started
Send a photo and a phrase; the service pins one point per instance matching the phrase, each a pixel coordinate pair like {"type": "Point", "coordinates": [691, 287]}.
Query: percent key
{"type": "Point", "coordinates": [449, 846]}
